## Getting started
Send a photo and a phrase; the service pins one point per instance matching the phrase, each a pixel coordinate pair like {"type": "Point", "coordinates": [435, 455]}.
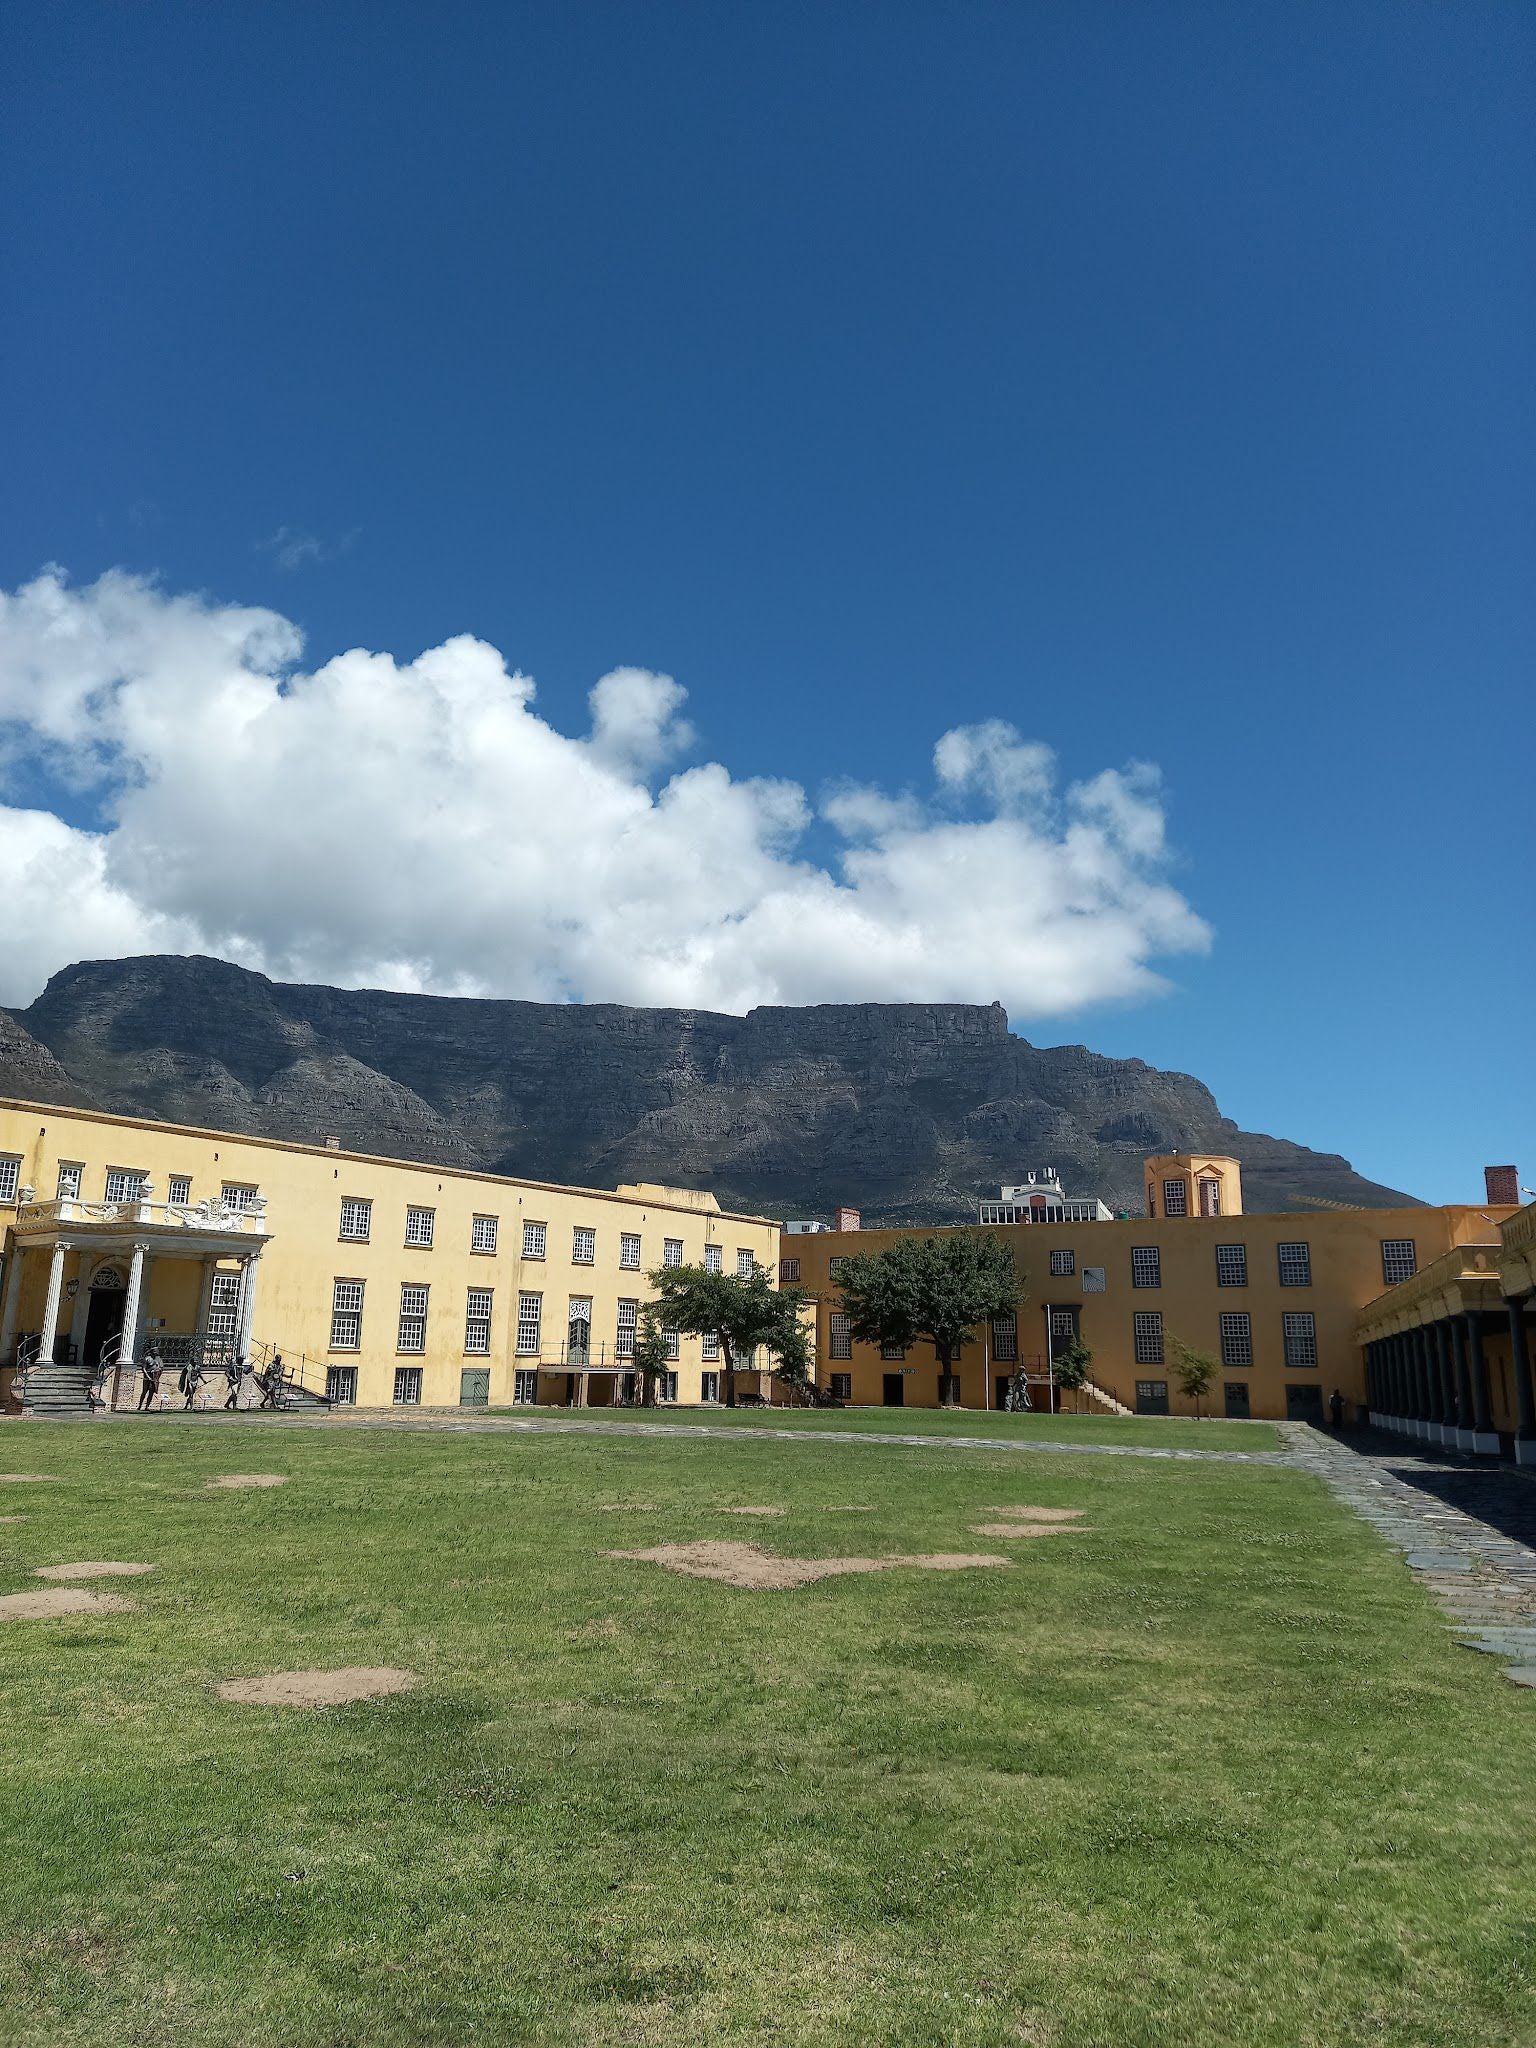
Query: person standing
{"type": "Point", "coordinates": [1336, 1409]}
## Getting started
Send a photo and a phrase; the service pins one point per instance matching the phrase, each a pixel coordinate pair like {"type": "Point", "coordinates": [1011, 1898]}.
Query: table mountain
{"type": "Point", "coordinates": [912, 1111]}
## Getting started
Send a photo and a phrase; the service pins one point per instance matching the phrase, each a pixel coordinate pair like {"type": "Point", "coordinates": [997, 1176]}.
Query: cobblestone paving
{"type": "Point", "coordinates": [1466, 1527]}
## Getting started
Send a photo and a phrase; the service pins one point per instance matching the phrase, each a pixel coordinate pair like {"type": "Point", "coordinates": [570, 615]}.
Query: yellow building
{"type": "Point", "coordinates": [1275, 1299]}
{"type": "Point", "coordinates": [379, 1281]}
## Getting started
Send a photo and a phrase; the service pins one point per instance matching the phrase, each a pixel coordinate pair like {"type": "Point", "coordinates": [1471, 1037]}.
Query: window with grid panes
{"type": "Point", "coordinates": [789, 1271]}
{"type": "Point", "coordinates": [530, 1316]}
{"type": "Point", "coordinates": [178, 1189]}
{"type": "Point", "coordinates": [525, 1387]}
{"type": "Point", "coordinates": [124, 1184]}
{"type": "Point", "coordinates": [341, 1385]}
{"type": "Point", "coordinates": [744, 1265]}
{"type": "Point", "coordinates": [895, 1352]}
{"type": "Point", "coordinates": [477, 1321]}
{"type": "Point", "coordinates": [1005, 1339]}
{"type": "Point", "coordinates": [666, 1386]}
{"type": "Point", "coordinates": [709, 1386]}
{"type": "Point", "coordinates": [1063, 1265]}
{"type": "Point", "coordinates": [10, 1177]}
{"type": "Point", "coordinates": [1399, 1259]}
{"type": "Point", "coordinates": [1175, 1198]}
{"type": "Point", "coordinates": [629, 1249]}
{"type": "Point", "coordinates": [1063, 1324]}
{"type": "Point", "coordinates": [673, 1343]}
{"type": "Point", "coordinates": [1147, 1327]}
{"type": "Point", "coordinates": [356, 1218]}
{"type": "Point", "coordinates": [1300, 1331]}
{"type": "Point", "coordinates": [671, 1251]}
{"type": "Point", "coordinates": [839, 1337]}
{"type": "Point", "coordinates": [419, 1225]}
{"type": "Point", "coordinates": [346, 1315]}
{"type": "Point", "coordinates": [1231, 1265]}
{"type": "Point", "coordinates": [483, 1232]}
{"type": "Point", "coordinates": [1237, 1338]}
{"type": "Point", "coordinates": [238, 1194]}
{"type": "Point", "coordinates": [407, 1386]}
{"type": "Point", "coordinates": [534, 1236]}
{"type": "Point", "coordinates": [70, 1177]}
{"type": "Point", "coordinates": [712, 1258]}
{"type": "Point", "coordinates": [1146, 1266]}
{"type": "Point", "coordinates": [835, 1266]}
{"type": "Point", "coordinates": [842, 1386]}
{"type": "Point", "coordinates": [628, 1324]}
{"type": "Point", "coordinates": [223, 1307]}
{"type": "Point", "coordinates": [709, 1344]}
{"type": "Point", "coordinates": [583, 1246]}
{"type": "Point", "coordinates": [413, 1319]}
{"type": "Point", "coordinates": [1210, 1198]}
{"type": "Point", "coordinates": [1295, 1265]}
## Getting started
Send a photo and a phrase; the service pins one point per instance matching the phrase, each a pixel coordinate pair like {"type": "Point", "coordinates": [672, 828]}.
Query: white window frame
{"type": "Point", "coordinates": [420, 1226]}
{"type": "Point", "coordinates": [1395, 1266]}
{"type": "Point", "coordinates": [530, 1325]}
{"type": "Point", "coordinates": [224, 1307]}
{"type": "Point", "coordinates": [411, 1332]}
{"type": "Point", "coordinates": [347, 1315]}
{"type": "Point", "coordinates": [478, 1304]}
{"type": "Point", "coordinates": [525, 1386]}
{"type": "Point", "coordinates": [674, 1344]}
{"type": "Point", "coordinates": [839, 1337]}
{"type": "Point", "coordinates": [10, 1177]}
{"type": "Point", "coordinates": [713, 1262]}
{"type": "Point", "coordinates": [239, 1194]}
{"type": "Point", "coordinates": [709, 1345]}
{"type": "Point", "coordinates": [626, 1329]}
{"type": "Point", "coordinates": [671, 1251]}
{"type": "Point", "coordinates": [709, 1386]}
{"type": "Point", "coordinates": [1298, 1329]}
{"type": "Point", "coordinates": [1146, 1265]}
{"type": "Point", "coordinates": [1063, 1264]}
{"type": "Point", "coordinates": [745, 1263]}
{"type": "Point", "coordinates": [178, 1189]}
{"type": "Point", "coordinates": [1232, 1270]}
{"type": "Point", "coordinates": [666, 1386]}
{"type": "Point", "coordinates": [341, 1385]}
{"type": "Point", "coordinates": [125, 1184]}
{"type": "Point", "coordinates": [1175, 1198]}
{"type": "Point", "coordinates": [483, 1233]}
{"type": "Point", "coordinates": [407, 1392]}
{"type": "Point", "coordinates": [1236, 1326]}
{"type": "Point", "coordinates": [1147, 1336]}
{"type": "Point", "coordinates": [71, 1180]}
{"type": "Point", "coordinates": [583, 1245]}
{"type": "Point", "coordinates": [355, 1209]}
{"type": "Point", "coordinates": [1299, 1263]}
{"type": "Point", "coordinates": [629, 1250]}
{"type": "Point", "coordinates": [535, 1240]}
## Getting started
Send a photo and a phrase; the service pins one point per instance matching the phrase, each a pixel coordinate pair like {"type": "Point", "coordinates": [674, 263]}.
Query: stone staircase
{"type": "Point", "coordinates": [1106, 1398]}
{"type": "Point", "coordinates": [53, 1393]}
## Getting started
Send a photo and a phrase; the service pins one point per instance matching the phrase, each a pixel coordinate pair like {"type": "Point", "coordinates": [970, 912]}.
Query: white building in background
{"type": "Point", "coordinates": [1041, 1199]}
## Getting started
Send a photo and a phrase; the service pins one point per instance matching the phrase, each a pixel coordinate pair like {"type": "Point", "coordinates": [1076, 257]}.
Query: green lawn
{"type": "Point", "coordinates": [1209, 1774]}
{"type": "Point", "coordinates": [1169, 1433]}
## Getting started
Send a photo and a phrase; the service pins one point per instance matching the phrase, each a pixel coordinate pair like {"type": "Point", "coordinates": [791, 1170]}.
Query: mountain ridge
{"type": "Point", "coordinates": [912, 1111]}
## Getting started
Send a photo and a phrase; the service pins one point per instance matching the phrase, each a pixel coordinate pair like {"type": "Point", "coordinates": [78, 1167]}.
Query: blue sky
{"type": "Point", "coordinates": [1155, 380]}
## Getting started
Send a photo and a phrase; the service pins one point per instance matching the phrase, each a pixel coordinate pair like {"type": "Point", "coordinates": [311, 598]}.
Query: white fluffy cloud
{"type": "Point", "coordinates": [418, 825]}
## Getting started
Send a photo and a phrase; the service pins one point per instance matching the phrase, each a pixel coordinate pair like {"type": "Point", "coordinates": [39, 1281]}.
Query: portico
{"type": "Point", "coordinates": [1426, 1342]}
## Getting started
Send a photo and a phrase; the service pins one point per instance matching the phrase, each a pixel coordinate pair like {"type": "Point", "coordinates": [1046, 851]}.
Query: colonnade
{"type": "Point", "coordinates": [1430, 1380]}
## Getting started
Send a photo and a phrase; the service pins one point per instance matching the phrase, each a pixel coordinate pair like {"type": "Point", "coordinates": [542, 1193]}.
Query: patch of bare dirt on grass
{"type": "Point", "coordinates": [317, 1688]}
{"type": "Point", "coordinates": [848, 1511]}
{"type": "Point", "coordinates": [1036, 1514]}
{"type": "Point", "coordinates": [627, 1507]}
{"type": "Point", "coordinates": [1026, 1529]}
{"type": "Point", "coordinates": [757, 1511]}
{"type": "Point", "coordinates": [60, 1600]}
{"type": "Point", "coordinates": [24, 1478]}
{"type": "Point", "coordinates": [12, 1518]}
{"type": "Point", "coordinates": [746, 1564]}
{"type": "Point", "coordinates": [250, 1479]}
{"type": "Point", "coordinates": [93, 1568]}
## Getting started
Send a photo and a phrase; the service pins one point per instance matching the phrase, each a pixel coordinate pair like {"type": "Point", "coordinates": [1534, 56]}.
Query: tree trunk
{"type": "Point", "coordinates": [727, 1374]}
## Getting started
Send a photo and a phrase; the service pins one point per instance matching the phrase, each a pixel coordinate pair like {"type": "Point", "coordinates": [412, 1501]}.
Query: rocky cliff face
{"type": "Point", "coordinates": [914, 1111]}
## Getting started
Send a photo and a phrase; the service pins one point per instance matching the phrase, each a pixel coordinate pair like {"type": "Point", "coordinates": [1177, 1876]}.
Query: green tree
{"type": "Point", "coordinates": [1073, 1366]}
{"type": "Point", "coordinates": [1194, 1370]}
{"type": "Point", "coordinates": [939, 1288]}
{"type": "Point", "coordinates": [649, 1358]}
{"type": "Point", "coordinates": [742, 1313]}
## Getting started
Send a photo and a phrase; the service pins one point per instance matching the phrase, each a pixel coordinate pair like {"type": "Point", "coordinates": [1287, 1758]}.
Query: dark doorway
{"type": "Point", "coordinates": [1003, 1382]}
{"type": "Point", "coordinates": [1237, 1400]}
{"type": "Point", "coordinates": [1303, 1403]}
{"type": "Point", "coordinates": [893, 1390]}
{"type": "Point", "coordinates": [103, 1319]}
{"type": "Point", "coordinates": [1151, 1397]}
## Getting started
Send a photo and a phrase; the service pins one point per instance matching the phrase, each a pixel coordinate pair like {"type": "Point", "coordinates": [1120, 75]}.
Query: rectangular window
{"type": "Point", "coordinates": [1237, 1338]}
{"type": "Point", "coordinates": [477, 1321]}
{"type": "Point", "coordinates": [124, 1184]}
{"type": "Point", "coordinates": [1005, 1339]}
{"type": "Point", "coordinates": [671, 1251]}
{"type": "Point", "coordinates": [1152, 1397]}
{"type": "Point", "coordinates": [69, 1182]}
{"type": "Point", "coordinates": [1148, 1327]}
{"type": "Point", "coordinates": [835, 1266]}
{"type": "Point", "coordinates": [419, 1224]}
{"type": "Point", "coordinates": [482, 1233]}
{"type": "Point", "coordinates": [709, 1386]}
{"type": "Point", "coordinates": [789, 1271]}
{"type": "Point", "coordinates": [238, 1194]}
{"type": "Point", "coordinates": [666, 1386]}
{"type": "Point", "coordinates": [341, 1385]}
{"type": "Point", "coordinates": [842, 1386]}
{"type": "Point", "coordinates": [711, 1344]}
{"type": "Point", "coordinates": [1399, 1260]}
{"type": "Point", "coordinates": [628, 1324]}
{"type": "Point", "coordinates": [347, 1315]}
{"type": "Point", "coordinates": [1063, 1322]}
{"type": "Point", "coordinates": [10, 1178]}
{"type": "Point", "coordinates": [839, 1337]}
{"type": "Point", "coordinates": [1063, 1265]}
{"type": "Point", "coordinates": [1210, 1198]}
{"type": "Point", "coordinates": [178, 1189]}
{"type": "Point", "coordinates": [407, 1386]}
{"type": "Point", "coordinates": [674, 1343]}
{"type": "Point", "coordinates": [583, 1246]}
{"type": "Point", "coordinates": [629, 1250]}
{"type": "Point", "coordinates": [1231, 1265]}
{"type": "Point", "coordinates": [896, 1352]}
{"type": "Point", "coordinates": [1295, 1265]}
{"type": "Point", "coordinates": [712, 1258]}
{"type": "Point", "coordinates": [525, 1387]}
{"type": "Point", "coordinates": [413, 1319]}
{"type": "Point", "coordinates": [1146, 1266]}
{"type": "Point", "coordinates": [744, 1265]}
{"type": "Point", "coordinates": [1300, 1329]}
{"type": "Point", "coordinates": [534, 1235]}
{"type": "Point", "coordinates": [356, 1218]}
{"type": "Point", "coordinates": [1175, 1198]}
{"type": "Point", "coordinates": [224, 1307]}
{"type": "Point", "coordinates": [530, 1313]}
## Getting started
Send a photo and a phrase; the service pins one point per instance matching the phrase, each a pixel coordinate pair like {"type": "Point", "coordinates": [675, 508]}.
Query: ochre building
{"type": "Point", "coordinates": [1276, 1299]}
{"type": "Point", "coordinates": [379, 1281]}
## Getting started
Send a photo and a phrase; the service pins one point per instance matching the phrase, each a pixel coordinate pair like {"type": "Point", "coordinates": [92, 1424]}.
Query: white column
{"type": "Point", "coordinates": [51, 1305]}
{"type": "Point", "coordinates": [11, 1307]}
{"type": "Point", "coordinates": [131, 1300]}
{"type": "Point", "coordinates": [205, 1294]}
{"type": "Point", "coordinates": [248, 1276]}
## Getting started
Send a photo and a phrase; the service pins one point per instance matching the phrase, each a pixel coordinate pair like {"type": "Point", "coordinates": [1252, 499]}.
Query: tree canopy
{"type": "Point", "coordinates": [1194, 1370]}
{"type": "Point", "coordinates": [934, 1287]}
{"type": "Point", "coordinates": [742, 1313]}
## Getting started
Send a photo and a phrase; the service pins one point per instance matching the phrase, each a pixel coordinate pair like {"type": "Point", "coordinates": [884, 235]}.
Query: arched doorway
{"type": "Point", "coordinates": [104, 1315]}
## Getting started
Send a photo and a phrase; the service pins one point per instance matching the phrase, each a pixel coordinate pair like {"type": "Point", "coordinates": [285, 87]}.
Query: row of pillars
{"type": "Point", "coordinates": [132, 1301]}
{"type": "Point", "coordinates": [1432, 1381]}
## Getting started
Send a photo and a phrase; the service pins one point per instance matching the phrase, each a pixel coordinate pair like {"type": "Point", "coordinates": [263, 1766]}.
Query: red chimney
{"type": "Point", "coordinates": [1503, 1185]}
{"type": "Point", "coordinates": [848, 1219]}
